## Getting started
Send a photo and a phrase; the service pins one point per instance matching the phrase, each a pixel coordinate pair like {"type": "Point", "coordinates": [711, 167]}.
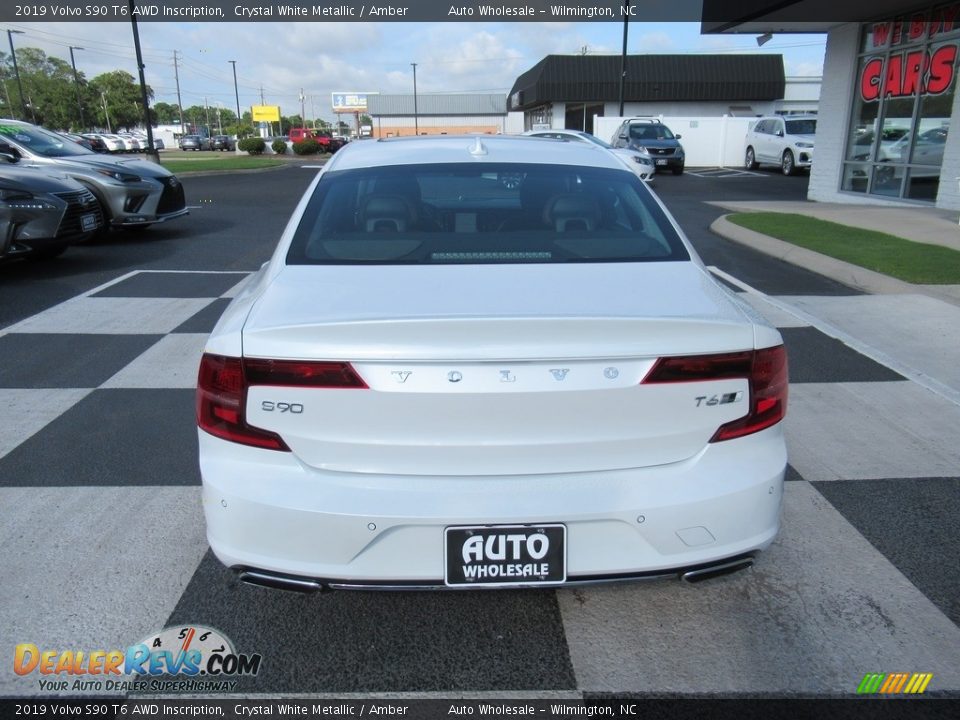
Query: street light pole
{"type": "Point", "coordinates": [236, 93]}
{"type": "Point", "coordinates": [623, 57]}
{"type": "Point", "coordinates": [16, 70]}
{"type": "Point", "coordinates": [416, 126]}
{"type": "Point", "coordinates": [76, 82]}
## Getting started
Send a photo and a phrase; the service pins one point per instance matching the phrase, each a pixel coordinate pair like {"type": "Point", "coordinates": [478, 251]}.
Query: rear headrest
{"type": "Point", "coordinates": [572, 212]}
{"type": "Point", "coordinates": [386, 213]}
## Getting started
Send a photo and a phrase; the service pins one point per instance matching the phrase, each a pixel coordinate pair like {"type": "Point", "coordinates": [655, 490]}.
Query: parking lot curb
{"type": "Point", "coordinates": [851, 275]}
{"type": "Point", "coordinates": [204, 173]}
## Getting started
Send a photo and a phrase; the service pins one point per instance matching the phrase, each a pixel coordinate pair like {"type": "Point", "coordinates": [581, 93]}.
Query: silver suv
{"type": "Point", "coordinates": [132, 193]}
{"type": "Point", "coordinates": [786, 141]}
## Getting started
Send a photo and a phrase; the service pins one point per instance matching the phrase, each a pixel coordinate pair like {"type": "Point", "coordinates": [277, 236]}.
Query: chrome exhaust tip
{"type": "Point", "coordinates": [279, 582]}
{"type": "Point", "coordinates": [712, 571]}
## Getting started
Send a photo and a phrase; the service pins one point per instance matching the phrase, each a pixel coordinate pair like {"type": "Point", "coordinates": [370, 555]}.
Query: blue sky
{"type": "Point", "coordinates": [374, 57]}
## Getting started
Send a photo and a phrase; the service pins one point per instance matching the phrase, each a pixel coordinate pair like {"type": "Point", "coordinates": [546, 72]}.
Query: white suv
{"type": "Point", "coordinates": [784, 141]}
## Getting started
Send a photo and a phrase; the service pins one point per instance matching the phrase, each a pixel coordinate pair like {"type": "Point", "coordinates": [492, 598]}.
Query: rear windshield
{"type": "Point", "coordinates": [801, 127]}
{"type": "Point", "coordinates": [482, 213]}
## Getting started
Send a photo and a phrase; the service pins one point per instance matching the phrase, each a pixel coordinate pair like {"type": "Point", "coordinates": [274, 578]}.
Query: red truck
{"type": "Point", "coordinates": [300, 134]}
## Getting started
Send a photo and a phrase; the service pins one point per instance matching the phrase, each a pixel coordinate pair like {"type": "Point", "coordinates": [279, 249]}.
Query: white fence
{"type": "Point", "coordinates": [707, 141]}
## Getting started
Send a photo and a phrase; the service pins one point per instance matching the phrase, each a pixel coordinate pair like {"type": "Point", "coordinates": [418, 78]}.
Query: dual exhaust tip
{"type": "Point", "coordinates": [264, 578]}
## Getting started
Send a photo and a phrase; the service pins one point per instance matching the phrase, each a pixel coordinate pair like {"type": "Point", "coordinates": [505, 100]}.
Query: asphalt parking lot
{"type": "Point", "coordinates": [100, 500]}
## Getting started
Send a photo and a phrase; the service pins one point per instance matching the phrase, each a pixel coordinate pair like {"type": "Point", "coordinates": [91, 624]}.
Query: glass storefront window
{"type": "Point", "coordinates": [855, 178]}
{"type": "Point", "coordinates": [905, 89]}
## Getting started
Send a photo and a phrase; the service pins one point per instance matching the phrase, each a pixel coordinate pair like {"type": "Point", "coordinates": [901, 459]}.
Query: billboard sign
{"type": "Point", "coordinates": [349, 102]}
{"type": "Point", "coordinates": [265, 113]}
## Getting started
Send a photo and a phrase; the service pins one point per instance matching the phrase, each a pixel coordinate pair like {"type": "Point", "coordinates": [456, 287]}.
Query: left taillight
{"type": "Point", "coordinates": [222, 392]}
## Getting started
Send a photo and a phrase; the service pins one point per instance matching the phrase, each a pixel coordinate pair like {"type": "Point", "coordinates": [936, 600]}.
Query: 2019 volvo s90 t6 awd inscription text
{"type": "Point", "coordinates": [478, 362]}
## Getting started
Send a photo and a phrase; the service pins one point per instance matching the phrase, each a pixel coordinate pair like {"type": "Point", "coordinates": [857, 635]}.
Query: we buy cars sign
{"type": "Point", "coordinates": [913, 70]}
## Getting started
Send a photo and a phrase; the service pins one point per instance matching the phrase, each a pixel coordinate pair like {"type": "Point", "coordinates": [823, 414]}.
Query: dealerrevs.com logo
{"type": "Point", "coordinates": [190, 658]}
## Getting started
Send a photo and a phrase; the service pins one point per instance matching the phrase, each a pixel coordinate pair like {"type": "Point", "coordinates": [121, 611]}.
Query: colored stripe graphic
{"type": "Point", "coordinates": [894, 683]}
{"type": "Point", "coordinates": [870, 683]}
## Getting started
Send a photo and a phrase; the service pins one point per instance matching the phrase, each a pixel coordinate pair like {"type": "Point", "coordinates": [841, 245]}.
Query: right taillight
{"type": "Point", "coordinates": [222, 392]}
{"type": "Point", "coordinates": [766, 371]}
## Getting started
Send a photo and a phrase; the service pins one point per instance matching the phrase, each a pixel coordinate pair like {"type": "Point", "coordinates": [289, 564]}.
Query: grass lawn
{"type": "Point", "coordinates": [224, 163]}
{"type": "Point", "coordinates": [910, 261]}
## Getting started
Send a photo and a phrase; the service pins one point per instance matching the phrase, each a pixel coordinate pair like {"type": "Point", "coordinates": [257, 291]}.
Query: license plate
{"type": "Point", "coordinates": [661, 162]}
{"type": "Point", "coordinates": [504, 555]}
{"type": "Point", "coordinates": [88, 221]}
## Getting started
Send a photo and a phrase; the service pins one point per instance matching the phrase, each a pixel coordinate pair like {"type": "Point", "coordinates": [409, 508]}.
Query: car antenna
{"type": "Point", "coordinates": [478, 148]}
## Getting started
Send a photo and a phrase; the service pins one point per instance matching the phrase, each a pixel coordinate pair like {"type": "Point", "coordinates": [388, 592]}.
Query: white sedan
{"type": "Point", "coordinates": [476, 362]}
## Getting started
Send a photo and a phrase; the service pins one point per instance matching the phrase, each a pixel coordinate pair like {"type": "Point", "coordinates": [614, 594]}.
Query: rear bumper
{"type": "Point", "coordinates": [267, 511]}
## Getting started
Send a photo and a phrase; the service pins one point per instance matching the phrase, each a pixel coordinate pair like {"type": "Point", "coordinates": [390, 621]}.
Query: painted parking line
{"type": "Point", "coordinates": [720, 172]}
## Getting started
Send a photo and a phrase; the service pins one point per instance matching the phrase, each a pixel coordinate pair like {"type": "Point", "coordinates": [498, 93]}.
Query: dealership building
{"type": "Point", "coordinates": [570, 91]}
{"type": "Point", "coordinates": [889, 121]}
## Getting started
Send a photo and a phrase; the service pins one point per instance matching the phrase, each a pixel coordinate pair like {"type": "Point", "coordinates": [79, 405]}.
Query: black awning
{"type": "Point", "coordinates": [596, 78]}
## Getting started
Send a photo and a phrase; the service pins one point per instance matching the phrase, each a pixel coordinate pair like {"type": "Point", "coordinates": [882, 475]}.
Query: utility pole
{"type": "Point", "coordinates": [103, 98]}
{"type": "Point", "coordinates": [416, 126]}
{"type": "Point", "coordinates": [303, 114]}
{"type": "Point", "coordinates": [176, 75]}
{"type": "Point", "coordinates": [151, 150]}
{"type": "Point", "coordinates": [16, 70]}
{"type": "Point", "coordinates": [623, 56]}
{"type": "Point", "coordinates": [76, 82]}
{"type": "Point", "coordinates": [236, 93]}
{"type": "Point", "coordinates": [206, 106]}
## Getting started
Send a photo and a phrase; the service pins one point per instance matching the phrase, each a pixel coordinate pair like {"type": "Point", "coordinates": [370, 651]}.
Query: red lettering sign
{"type": "Point", "coordinates": [881, 33]}
{"type": "Point", "coordinates": [912, 72]}
{"type": "Point", "coordinates": [918, 27]}
{"type": "Point", "coordinates": [944, 20]}
{"type": "Point", "coordinates": [870, 80]}
{"type": "Point", "coordinates": [941, 69]}
{"type": "Point", "coordinates": [909, 73]}
{"type": "Point", "coordinates": [893, 81]}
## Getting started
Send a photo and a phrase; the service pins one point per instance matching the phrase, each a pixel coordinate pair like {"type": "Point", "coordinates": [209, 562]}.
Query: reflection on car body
{"type": "Point", "coordinates": [638, 160]}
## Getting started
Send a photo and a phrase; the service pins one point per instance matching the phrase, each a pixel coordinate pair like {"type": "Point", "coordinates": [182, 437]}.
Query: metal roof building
{"type": "Point", "coordinates": [444, 105]}
{"type": "Point", "coordinates": [596, 78]}
{"type": "Point", "coordinates": [437, 114]}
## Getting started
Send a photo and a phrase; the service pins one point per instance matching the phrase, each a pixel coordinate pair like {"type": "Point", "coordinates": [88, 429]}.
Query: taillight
{"type": "Point", "coordinates": [765, 369]}
{"type": "Point", "coordinates": [298, 373]}
{"type": "Point", "coordinates": [222, 392]}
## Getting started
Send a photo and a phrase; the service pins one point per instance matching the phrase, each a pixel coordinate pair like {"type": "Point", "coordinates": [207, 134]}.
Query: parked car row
{"type": "Point", "coordinates": [55, 192]}
{"type": "Point", "coordinates": [114, 142]}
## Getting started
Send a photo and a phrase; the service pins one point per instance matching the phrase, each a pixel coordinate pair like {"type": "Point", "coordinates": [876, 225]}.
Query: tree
{"type": "Point", "coordinates": [167, 113]}
{"type": "Point", "coordinates": [120, 94]}
{"type": "Point", "coordinates": [49, 90]}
